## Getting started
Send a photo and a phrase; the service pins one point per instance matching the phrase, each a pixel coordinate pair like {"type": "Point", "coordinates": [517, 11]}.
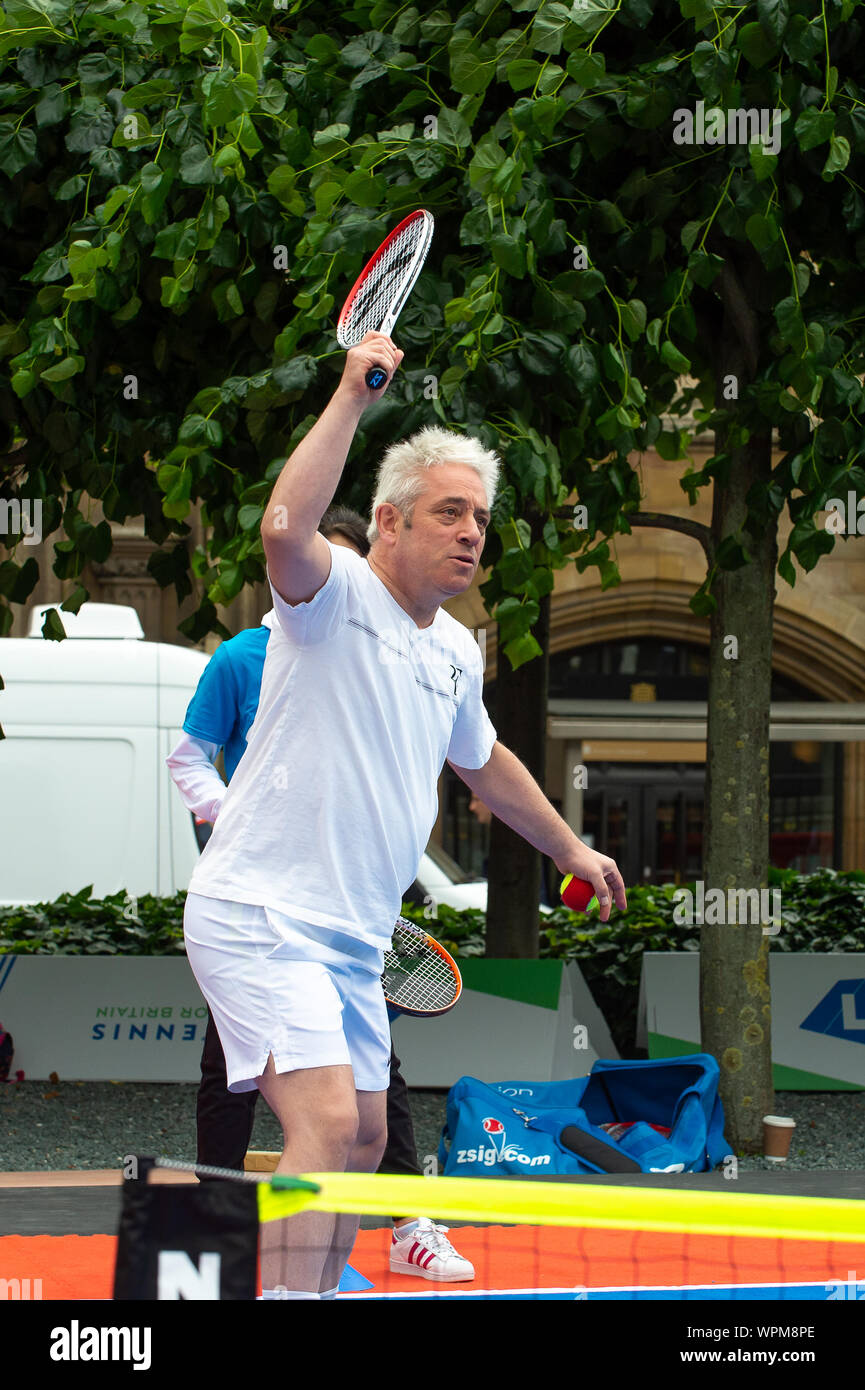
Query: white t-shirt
{"type": "Point", "coordinates": [332, 804]}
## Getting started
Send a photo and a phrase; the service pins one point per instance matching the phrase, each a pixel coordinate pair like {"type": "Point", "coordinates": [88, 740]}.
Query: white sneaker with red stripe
{"type": "Point", "coordinates": [426, 1251]}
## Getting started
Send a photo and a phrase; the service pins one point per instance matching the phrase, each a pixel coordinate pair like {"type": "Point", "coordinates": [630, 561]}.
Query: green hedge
{"type": "Point", "coordinates": [79, 924]}
{"type": "Point", "coordinates": [823, 911]}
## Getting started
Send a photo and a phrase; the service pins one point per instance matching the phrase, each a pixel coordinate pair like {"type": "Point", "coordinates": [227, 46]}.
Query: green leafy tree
{"type": "Point", "coordinates": [190, 189]}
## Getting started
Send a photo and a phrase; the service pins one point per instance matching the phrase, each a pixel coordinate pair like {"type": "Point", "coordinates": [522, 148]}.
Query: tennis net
{"type": "Point", "coordinates": [544, 1239]}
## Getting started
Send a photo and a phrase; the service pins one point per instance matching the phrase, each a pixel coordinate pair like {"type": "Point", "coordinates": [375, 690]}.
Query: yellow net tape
{"type": "Point", "coordinates": [569, 1204]}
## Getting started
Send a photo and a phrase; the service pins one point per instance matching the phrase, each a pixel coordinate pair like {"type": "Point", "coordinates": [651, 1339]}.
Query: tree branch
{"type": "Point", "coordinates": [668, 522]}
{"type": "Point", "coordinates": [739, 310]}
{"type": "Point", "coordinates": [15, 464]}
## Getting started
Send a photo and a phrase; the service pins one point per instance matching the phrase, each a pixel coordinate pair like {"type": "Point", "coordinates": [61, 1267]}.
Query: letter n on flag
{"type": "Point", "coordinates": [186, 1240]}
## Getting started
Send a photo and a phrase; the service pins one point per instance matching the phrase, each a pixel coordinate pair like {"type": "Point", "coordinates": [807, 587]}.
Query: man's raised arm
{"type": "Point", "coordinates": [298, 558]}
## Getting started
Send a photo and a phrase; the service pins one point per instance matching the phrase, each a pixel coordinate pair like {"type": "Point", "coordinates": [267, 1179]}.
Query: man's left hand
{"type": "Point", "coordinates": [603, 874]}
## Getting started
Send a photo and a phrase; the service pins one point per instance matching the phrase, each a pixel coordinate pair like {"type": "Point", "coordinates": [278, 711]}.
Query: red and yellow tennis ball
{"type": "Point", "coordinates": [578, 893]}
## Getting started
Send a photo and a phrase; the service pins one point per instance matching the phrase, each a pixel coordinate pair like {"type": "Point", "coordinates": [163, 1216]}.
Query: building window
{"type": "Point", "coordinates": [463, 836]}
{"type": "Point", "coordinates": [802, 804]}
{"type": "Point", "coordinates": [674, 670]}
{"type": "Point", "coordinates": [650, 816]}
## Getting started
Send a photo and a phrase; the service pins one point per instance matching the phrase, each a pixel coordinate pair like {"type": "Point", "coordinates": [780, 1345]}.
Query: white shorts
{"type": "Point", "coordinates": [277, 987]}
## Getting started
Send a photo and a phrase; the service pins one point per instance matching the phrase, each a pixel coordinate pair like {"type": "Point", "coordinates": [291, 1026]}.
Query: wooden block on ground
{"type": "Point", "coordinates": [261, 1161]}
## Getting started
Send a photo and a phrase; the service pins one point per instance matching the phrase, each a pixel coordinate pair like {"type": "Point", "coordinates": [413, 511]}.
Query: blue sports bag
{"type": "Point", "coordinates": [649, 1117]}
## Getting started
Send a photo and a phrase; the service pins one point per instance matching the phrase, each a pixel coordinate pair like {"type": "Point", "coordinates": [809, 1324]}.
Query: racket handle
{"type": "Point", "coordinates": [376, 378]}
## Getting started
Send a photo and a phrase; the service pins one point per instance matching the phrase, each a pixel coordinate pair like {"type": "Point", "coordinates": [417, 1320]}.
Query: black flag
{"type": "Point", "coordinates": [186, 1241]}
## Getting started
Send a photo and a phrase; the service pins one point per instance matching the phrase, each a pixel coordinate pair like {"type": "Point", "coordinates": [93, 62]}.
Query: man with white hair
{"type": "Point", "coordinates": [368, 687]}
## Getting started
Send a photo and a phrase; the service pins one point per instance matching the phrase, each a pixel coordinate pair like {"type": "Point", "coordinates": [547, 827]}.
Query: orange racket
{"type": "Point", "coordinates": [377, 297]}
{"type": "Point", "coordinates": [419, 978]}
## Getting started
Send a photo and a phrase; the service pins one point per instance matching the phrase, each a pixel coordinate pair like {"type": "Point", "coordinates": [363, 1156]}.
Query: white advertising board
{"type": "Point", "coordinates": [142, 1018]}
{"type": "Point", "coordinates": [103, 1018]}
{"type": "Point", "coordinates": [818, 1015]}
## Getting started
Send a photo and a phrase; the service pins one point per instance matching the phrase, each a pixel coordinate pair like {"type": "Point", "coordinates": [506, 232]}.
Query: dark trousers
{"type": "Point", "coordinates": [225, 1118]}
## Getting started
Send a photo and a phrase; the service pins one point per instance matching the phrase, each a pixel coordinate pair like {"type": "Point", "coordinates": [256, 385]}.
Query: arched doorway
{"type": "Point", "coordinates": [643, 802]}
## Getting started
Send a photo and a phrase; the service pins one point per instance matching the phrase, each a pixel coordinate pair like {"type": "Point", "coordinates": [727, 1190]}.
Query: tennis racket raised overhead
{"type": "Point", "coordinates": [420, 978]}
{"type": "Point", "coordinates": [383, 286]}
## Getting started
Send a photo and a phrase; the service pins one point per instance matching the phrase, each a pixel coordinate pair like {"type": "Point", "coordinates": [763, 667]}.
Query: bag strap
{"type": "Point", "coordinates": [442, 1149]}
{"type": "Point", "coordinates": [717, 1147]}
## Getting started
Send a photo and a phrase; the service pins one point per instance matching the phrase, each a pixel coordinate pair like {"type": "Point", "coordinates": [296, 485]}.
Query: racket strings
{"type": "Point", "coordinates": [380, 286]}
{"type": "Point", "coordinates": [415, 977]}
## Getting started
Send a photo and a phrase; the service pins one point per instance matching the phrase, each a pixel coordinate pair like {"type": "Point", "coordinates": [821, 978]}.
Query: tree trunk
{"type": "Point", "coordinates": [735, 1006]}
{"type": "Point", "coordinates": [515, 867]}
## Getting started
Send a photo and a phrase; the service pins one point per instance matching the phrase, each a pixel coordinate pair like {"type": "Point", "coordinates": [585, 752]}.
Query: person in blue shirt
{"type": "Point", "coordinates": [219, 716]}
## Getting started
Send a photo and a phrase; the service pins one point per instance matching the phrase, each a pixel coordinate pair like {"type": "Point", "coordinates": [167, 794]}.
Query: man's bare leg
{"type": "Point", "coordinates": [365, 1157]}
{"type": "Point", "coordinates": [317, 1110]}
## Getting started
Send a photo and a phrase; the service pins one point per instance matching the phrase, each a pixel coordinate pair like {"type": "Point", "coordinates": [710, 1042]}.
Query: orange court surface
{"type": "Point", "coordinates": [61, 1238]}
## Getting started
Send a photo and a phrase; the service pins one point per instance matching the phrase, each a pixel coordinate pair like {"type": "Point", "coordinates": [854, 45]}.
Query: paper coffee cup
{"type": "Point", "coordinates": [777, 1137]}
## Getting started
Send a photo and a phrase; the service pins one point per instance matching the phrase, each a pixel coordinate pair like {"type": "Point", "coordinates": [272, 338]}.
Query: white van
{"type": "Point", "coordinates": [85, 796]}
